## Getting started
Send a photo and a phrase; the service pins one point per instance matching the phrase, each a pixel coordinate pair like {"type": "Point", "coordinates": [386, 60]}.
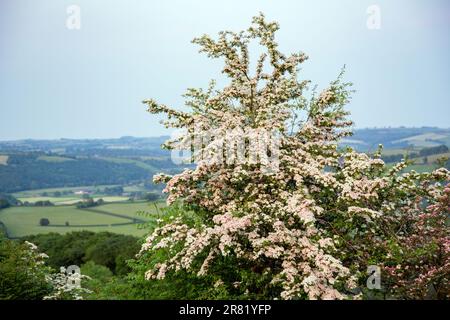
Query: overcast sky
{"type": "Point", "coordinates": [89, 83]}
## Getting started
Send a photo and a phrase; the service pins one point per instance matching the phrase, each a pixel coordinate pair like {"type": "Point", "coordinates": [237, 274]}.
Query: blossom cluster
{"type": "Point", "coordinates": [66, 285]}
{"type": "Point", "coordinates": [424, 270]}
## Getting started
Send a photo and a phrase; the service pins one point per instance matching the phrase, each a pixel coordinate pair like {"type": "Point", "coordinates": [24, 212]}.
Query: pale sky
{"type": "Point", "coordinates": [89, 83]}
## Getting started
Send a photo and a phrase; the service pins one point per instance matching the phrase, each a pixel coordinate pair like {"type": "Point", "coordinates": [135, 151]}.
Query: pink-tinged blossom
{"type": "Point", "coordinates": [310, 223]}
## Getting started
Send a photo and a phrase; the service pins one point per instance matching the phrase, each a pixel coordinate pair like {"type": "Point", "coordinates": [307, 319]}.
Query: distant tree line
{"type": "Point", "coordinates": [76, 248]}
{"type": "Point", "coordinates": [389, 137]}
{"type": "Point", "coordinates": [89, 203]}
{"type": "Point", "coordinates": [422, 153]}
{"type": "Point", "coordinates": [56, 193]}
{"type": "Point", "coordinates": [7, 201]}
{"type": "Point", "coordinates": [113, 191]}
{"type": "Point", "coordinates": [102, 256]}
{"type": "Point", "coordinates": [25, 172]}
{"type": "Point", "coordinates": [433, 150]}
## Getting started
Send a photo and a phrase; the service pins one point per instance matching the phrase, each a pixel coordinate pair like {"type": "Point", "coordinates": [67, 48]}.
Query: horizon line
{"type": "Point", "coordinates": [167, 135]}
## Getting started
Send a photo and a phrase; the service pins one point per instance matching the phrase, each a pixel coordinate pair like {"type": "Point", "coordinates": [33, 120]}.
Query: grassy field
{"type": "Point", "coordinates": [389, 152]}
{"type": "Point", "coordinates": [54, 159]}
{"type": "Point", "coordinates": [135, 188]}
{"type": "Point", "coordinates": [130, 208]}
{"type": "Point", "coordinates": [55, 200]}
{"type": "Point", "coordinates": [432, 158]}
{"type": "Point", "coordinates": [117, 218]}
{"type": "Point", "coordinates": [421, 168]}
{"type": "Point", "coordinates": [138, 163]}
{"type": "Point", "coordinates": [429, 139]}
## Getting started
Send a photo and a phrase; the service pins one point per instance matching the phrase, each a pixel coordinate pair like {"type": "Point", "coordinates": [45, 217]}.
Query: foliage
{"type": "Point", "coordinates": [88, 202]}
{"type": "Point", "coordinates": [419, 264]}
{"type": "Point", "coordinates": [22, 272]}
{"type": "Point", "coordinates": [3, 231]}
{"type": "Point", "coordinates": [99, 277]}
{"type": "Point", "coordinates": [114, 191]}
{"type": "Point", "coordinates": [44, 222]}
{"type": "Point", "coordinates": [7, 200]}
{"type": "Point", "coordinates": [66, 286]}
{"type": "Point", "coordinates": [150, 196]}
{"type": "Point", "coordinates": [113, 252]}
{"type": "Point", "coordinates": [45, 203]}
{"type": "Point", "coordinates": [76, 248]}
{"type": "Point", "coordinates": [4, 204]}
{"type": "Point", "coordinates": [25, 276]}
{"type": "Point", "coordinates": [96, 271]}
{"type": "Point", "coordinates": [433, 150]}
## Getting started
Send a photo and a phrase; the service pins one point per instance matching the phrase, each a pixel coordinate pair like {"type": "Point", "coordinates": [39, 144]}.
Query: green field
{"type": "Point", "coordinates": [432, 158]}
{"type": "Point", "coordinates": [421, 168]}
{"type": "Point", "coordinates": [130, 208]}
{"type": "Point", "coordinates": [54, 159]}
{"type": "Point", "coordinates": [424, 140]}
{"type": "Point", "coordinates": [32, 196]}
{"type": "Point", "coordinates": [138, 163]}
{"type": "Point", "coordinates": [404, 151]}
{"type": "Point", "coordinates": [55, 200]}
{"type": "Point", "coordinates": [117, 218]}
{"type": "Point", "coordinates": [135, 188]}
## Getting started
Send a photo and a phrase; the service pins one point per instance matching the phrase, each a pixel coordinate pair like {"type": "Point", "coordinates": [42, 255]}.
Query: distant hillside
{"type": "Point", "coordinates": [37, 164]}
{"type": "Point", "coordinates": [125, 146]}
{"type": "Point", "coordinates": [398, 138]}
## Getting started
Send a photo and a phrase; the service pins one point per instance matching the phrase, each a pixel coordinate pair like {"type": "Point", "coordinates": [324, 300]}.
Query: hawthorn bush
{"type": "Point", "coordinates": [304, 219]}
{"type": "Point", "coordinates": [23, 274]}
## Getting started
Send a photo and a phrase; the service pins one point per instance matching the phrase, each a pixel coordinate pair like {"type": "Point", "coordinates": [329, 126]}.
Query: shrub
{"type": "Point", "coordinates": [303, 219]}
{"type": "Point", "coordinates": [44, 222]}
{"type": "Point", "coordinates": [22, 272]}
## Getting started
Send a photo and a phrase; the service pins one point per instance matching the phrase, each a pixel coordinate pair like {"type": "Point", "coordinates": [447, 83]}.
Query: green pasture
{"type": "Point", "coordinates": [115, 217]}
{"type": "Point", "coordinates": [138, 163]}
{"type": "Point", "coordinates": [54, 159]}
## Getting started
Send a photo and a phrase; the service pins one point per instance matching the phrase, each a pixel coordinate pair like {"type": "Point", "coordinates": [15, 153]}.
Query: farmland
{"type": "Point", "coordinates": [73, 195]}
{"type": "Point", "coordinates": [118, 218]}
{"type": "Point", "coordinates": [62, 173]}
{"type": "Point", "coordinates": [97, 191]}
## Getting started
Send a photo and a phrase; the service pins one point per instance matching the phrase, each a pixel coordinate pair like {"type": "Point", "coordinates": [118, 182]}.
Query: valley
{"type": "Point", "coordinates": [101, 185]}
